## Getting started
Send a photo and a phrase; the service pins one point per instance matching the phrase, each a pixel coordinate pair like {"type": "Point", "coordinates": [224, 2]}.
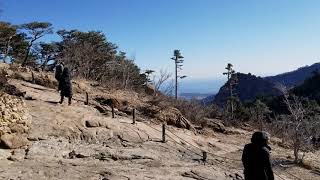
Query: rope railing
{"type": "Point", "coordinates": [212, 154]}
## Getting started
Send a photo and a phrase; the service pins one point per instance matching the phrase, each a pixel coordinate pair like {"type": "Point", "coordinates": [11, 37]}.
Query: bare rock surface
{"type": "Point", "coordinates": [78, 142]}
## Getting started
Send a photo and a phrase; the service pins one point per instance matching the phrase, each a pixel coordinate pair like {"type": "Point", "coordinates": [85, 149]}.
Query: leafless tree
{"type": "Point", "coordinates": [160, 80]}
{"type": "Point", "coordinates": [299, 125]}
{"type": "Point", "coordinates": [258, 113]}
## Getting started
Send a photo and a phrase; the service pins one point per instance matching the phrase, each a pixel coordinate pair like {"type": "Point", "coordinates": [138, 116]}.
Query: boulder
{"type": "Point", "coordinates": [126, 109]}
{"type": "Point", "coordinates": [215, 125]}
{"type": "Point", "coordinates": [17, 155]}
{"type": "Point", "coordinates": [174, 117]}
{"type": "Point", "coordinates": [13, 141]}
{"type": "Point", "coordinates": [92, 123]}
{"type": "Point", "coordinates": [116, 103]}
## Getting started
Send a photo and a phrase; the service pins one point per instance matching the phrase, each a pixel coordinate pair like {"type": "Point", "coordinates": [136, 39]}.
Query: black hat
{"type": "Point", "coordinates": [260, 137]}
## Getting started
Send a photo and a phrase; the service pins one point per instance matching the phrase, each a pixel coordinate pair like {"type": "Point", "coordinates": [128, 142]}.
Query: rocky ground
{"type": "Point", "coordinates": [78, 142]}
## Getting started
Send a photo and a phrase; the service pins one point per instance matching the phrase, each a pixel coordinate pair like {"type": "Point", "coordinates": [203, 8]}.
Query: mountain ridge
{"type": "Point", "coordinates": [250, 86]}
{"type": "Point", "coordinates": [295, 77]}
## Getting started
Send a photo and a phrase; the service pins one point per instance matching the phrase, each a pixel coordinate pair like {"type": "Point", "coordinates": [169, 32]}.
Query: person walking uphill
{"type": "Point", "coordinates": [58, 74]}
{"type": "Point", "coordinates": [66, 86]}
{"type": "Point", "coordinates": [256, 158]}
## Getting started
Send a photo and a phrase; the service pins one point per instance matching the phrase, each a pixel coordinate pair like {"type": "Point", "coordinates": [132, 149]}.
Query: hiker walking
{"type": "Point", "coordinates": [256, 158]}
{"type": "Point", "coordinates": [66, 86]}
{"type": "Point", "coordinates": [58, 74]}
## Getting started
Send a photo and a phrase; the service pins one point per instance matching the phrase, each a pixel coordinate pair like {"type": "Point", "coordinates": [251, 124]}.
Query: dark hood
{"type": "Point", "coordinates": [260, 138]}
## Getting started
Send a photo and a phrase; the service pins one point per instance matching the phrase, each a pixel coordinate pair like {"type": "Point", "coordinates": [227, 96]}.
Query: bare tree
{"type": "Point", "coordinates": [163, 77]}
{"type": "Point", "coordinates": [161, 83]}
{"type": "Point", "coordinates": [258, 113]}
{"type": "Point", "coordinates": [300, 124]}
{"type": "Point", "coordinates": [7, 33]}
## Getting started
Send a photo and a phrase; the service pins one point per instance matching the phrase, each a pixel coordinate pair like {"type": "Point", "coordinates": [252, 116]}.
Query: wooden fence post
{"type": "Point", "coordinates": [133, 116]}
{"type": "Point", "coordinates": [163, 133]}
{"type": "Point", "coordinates": [204, 156]}
{"type": "Point", "coordinates": [87, 99]}
{"type": "Point", "coordinates": [33, 79]}
{"type": "Point", "coordinates": [112, 109]}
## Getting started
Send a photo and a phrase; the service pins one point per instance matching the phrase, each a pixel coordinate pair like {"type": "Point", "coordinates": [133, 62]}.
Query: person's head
{"type": "Point", "coordinates": [260, 138]}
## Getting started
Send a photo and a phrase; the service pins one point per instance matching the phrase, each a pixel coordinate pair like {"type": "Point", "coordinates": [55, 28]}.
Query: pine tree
{"type": "Point", "coordinates": [232, 80]}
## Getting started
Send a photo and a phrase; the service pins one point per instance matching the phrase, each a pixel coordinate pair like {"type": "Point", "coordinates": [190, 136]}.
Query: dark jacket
{"type": "Point", "coordinates": [256, 158]}
{"type": "Point", "coordinates": [58, 72]}
{"type": "Point", "coordinates": [58, 75]}
{"type": "Point", "coordinates": [66, 84]}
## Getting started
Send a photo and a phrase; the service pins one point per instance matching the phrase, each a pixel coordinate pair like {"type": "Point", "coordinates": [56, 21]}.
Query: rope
{"type": "Point", "coordinates": [278, 175]}
{"type": "Point", "coordinates": [295, 177]}
{"type": "Point", "coordinates": [202, 150]}
{"type": "Point", "coordinates": [237, 169]}
{"type": "Point", "coordinates": [217, 155]}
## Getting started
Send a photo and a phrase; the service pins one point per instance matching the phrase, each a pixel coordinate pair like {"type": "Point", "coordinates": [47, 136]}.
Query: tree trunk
{"type": "Point", "coordinates": [296, 148]}
{"type": "Point", "coordinates": [24, 63]}
{"type": "Point", "coordinates": [44, 64]}
{"type": "Point", "coordinates": [261, 124]}
{"type": "Point", "coordinates": [7, 50]}
{"type": "Point", "coordinates": [296, 154]}
{"type": "Point", "coordinates": [176, 74]}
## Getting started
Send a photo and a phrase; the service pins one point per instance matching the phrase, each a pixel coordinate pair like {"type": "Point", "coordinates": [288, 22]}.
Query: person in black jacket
{"type": "Point", "coordinates": [58, 74]}
{"type": "Point", "coordinates": [256, 158]}
{"type": "Point", "coordinates": [66, 86]}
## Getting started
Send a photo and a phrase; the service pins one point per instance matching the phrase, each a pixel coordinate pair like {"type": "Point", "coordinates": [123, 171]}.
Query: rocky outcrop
{"type": "Point", "coordinates": [248, 87]}
{"type": "Point", "coordinates": [13, 141]}
{"type": "Point", "coordinates": [215, 125]}
{"type": "Point", "coordinates": [14, 121]}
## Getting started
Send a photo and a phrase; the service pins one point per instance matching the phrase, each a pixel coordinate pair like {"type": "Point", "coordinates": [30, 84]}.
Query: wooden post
{"type": "Point", "coordinates": [163, 133]}
{"type": "Point", "coordinates": [204, 156]}
{"type": "Point", "coordinates": [32, 76]}
{"type": "Point", "coordinates": [112, 109]}
{"type": "Point", "coordinates": [87, 99]}
{"type": "Point", "coordinates": [133, 116]}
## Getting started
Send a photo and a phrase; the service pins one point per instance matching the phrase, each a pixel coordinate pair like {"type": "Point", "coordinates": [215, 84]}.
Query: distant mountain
{"type": "Point", "coordinates": [310, 88]}
{"type": "Point", "coordinates": [197, 96]}
{"type": "Point", "coordinates": [296, 77]}
{"type": "Point", "coordinates": [248, 88]}
{"type": "Point", "coordinates": [208, 100]}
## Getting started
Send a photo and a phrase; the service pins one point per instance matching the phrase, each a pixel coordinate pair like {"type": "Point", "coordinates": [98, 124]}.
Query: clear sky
{"type": "Point", "coordinates": [261, 37]}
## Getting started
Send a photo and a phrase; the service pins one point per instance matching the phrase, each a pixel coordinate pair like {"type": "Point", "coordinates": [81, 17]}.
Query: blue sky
{"type": "Point", "coordinates": [261, 37]}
